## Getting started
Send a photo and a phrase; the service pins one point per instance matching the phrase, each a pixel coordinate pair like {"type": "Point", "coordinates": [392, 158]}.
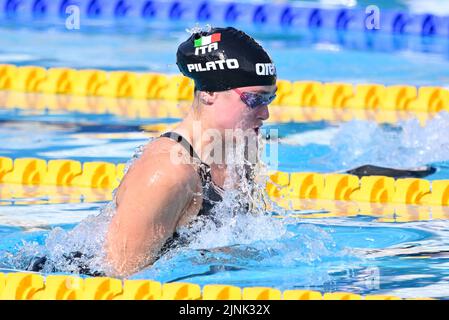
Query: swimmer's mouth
{"type": "Point", "coordinates": [257, 129]}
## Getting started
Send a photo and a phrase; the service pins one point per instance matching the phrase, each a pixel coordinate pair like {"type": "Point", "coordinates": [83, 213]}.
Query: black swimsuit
{"type": "Point", "coordinates": [211, 196]}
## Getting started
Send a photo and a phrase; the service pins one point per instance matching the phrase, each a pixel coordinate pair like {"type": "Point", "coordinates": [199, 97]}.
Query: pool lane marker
{"type": "Point", "coordinates": [283, 186]}
{"type": "Point", "coordinates": [31, 286]}
{"type": "Point", "coordinates": [125, 84]}
{"type": "Point", "coordinates": [131, 108]}
{"type": "Point", "coordinates": [268, 16]}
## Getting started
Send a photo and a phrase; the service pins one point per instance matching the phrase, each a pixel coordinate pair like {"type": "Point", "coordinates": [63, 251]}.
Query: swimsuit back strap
{"type": "Point", "coordinates": [204, 169]}
{"type": "Point", "coordinates": [181, 140]}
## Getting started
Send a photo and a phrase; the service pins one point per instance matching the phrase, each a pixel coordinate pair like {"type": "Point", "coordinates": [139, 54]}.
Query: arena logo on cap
{"type": "Point", "coordinates": [214, 65]}
{"type": "Point", "coordinates": [207, 43]}
{"type": "Point", "coordinates": [265, 69]}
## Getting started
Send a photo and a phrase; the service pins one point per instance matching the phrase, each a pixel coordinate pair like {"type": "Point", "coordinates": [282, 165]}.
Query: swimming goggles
{"type": "Point", "coordinates": [254, 100]}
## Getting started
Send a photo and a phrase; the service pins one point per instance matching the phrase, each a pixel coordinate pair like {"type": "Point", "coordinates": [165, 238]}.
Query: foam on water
{"type": "Point", "coordinates": [405, 145]}
{"type": "Point", "coordinates": [243, 236]}
{"type": "Point", "coordinates": [308, 257]}
{"type": "Point", "coordinates": [198, 29]}
{"type": "Point", "coordinates": [88, 237]}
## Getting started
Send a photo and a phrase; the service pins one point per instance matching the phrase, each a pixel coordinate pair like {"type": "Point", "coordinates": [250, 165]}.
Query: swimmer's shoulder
{"type": "Point", "coordinates": [164, 146]}
{"type": "Point", "coordinates": [165, 161]}
{"type": "Point", "coordinates": [154, 175]}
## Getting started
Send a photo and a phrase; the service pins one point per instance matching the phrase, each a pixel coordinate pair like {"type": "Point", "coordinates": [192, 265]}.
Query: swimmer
{"type": "Point", "coordinates": [235, 81]}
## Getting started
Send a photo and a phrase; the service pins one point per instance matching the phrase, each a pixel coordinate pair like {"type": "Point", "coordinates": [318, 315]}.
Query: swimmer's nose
{"type": "Point", "coordinates": [263, 113]}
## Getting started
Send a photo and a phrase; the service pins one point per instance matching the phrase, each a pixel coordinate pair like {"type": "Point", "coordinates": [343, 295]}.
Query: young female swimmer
{"type": "Point", "coordinates": [235, 81]}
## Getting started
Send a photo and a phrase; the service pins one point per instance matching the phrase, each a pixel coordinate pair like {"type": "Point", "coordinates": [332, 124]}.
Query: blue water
{"type": "Point", "coordinates": [356, 254]}
{"type": "Point", "coordinates": [313, 146]}
{"type": "Point", "coordinates": [359, 253]}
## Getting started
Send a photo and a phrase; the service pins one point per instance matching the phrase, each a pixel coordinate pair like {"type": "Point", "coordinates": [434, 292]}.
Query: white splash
{"type": "Point", "coordinates": [321, 137]}
{"type": "Point", "coordinates": [198, 29]}
{"type": "Point", "coordinates": [88, 238]}
{"type": "Point", "coordinates": [406, 145]}
{"type": "Point", "coordinates": [243, 227]}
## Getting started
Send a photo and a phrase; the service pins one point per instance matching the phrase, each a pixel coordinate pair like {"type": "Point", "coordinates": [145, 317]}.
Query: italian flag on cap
{"type": "Point", "coordinates": [204, 41]}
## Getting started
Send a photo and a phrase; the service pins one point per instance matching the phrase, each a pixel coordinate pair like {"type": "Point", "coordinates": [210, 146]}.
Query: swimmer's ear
{"type": "Point", "coordinates": [207, 98]}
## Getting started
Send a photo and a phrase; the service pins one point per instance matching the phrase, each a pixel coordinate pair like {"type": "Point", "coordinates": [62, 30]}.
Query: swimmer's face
{"type": "Point", "coordinates": [233, 113]}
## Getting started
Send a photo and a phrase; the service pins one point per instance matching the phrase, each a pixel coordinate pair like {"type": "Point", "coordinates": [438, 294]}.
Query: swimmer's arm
{"type": "Point", "coordinates": [150, 204]}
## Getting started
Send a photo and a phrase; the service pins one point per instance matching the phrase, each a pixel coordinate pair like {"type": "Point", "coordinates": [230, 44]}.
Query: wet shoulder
{"type": "Point", "coordinates": [168, 158]}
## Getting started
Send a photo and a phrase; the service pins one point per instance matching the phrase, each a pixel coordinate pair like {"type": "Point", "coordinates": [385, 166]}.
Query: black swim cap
{"type": "Point", "coordinates": [223, 59]}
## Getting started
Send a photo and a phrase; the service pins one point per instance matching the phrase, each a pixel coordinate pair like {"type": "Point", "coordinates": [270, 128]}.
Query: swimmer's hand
{"type": "Point", "coordinates": [154, 197]}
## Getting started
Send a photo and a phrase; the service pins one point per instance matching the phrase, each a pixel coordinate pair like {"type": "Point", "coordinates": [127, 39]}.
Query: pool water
{"type": "Point", "coordinates": [307, 146]}
{"type": "Point", "coordinates": [355, 253]}
{"type": "Point", "coordinates": [352, 254]}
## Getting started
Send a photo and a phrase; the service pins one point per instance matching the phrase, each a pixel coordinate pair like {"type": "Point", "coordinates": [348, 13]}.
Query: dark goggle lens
{"type": "Point", "coordinates": [254, 100]}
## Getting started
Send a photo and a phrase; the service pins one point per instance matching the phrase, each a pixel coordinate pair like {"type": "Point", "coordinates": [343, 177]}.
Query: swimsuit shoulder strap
{"type": "Point", "coordinates": [204, 169]}
{"type": "Point", "coordinates": [181, 140]}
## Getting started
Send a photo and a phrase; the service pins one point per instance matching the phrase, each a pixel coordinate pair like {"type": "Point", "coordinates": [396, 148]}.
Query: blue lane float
{"type": "Point", "coordinates": [428, 25]}
{"type": "Point", "coordinates": [239, 13]}
{"type": "Point", "coordinates": [34, 8]}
